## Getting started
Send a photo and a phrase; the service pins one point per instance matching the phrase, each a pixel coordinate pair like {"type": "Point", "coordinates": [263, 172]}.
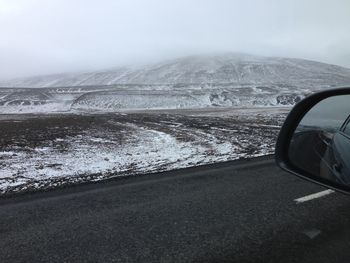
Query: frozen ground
{"type": "Point", "coordinates": [46, 151]}
{"type": "Point", "coordinates": [125, 97]}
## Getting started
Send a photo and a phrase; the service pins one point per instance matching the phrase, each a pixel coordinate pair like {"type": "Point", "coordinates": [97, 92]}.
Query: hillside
{"type": "Point", "coordinates": [231, 80]}
{"type": "Point", "coordinates": [215, 69]}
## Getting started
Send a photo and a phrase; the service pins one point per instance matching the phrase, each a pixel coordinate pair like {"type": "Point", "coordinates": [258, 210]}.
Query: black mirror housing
{"type": "Point", "coordinates": [288, 131]}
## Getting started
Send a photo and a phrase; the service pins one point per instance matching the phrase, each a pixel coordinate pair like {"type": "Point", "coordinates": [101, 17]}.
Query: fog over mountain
{"type": "Point", "coordinates": [234, 68]}
{"type": "Point", "coordinates": [48, 37]}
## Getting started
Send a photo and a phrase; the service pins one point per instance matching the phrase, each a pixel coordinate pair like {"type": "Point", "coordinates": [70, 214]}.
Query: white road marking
{"type": "Point", "coordinates": [313, 196]}
{"type": "Point", "coordinates": [312, 233]}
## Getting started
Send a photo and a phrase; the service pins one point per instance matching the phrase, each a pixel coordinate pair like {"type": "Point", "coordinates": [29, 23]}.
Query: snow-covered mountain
{"type": "Point", "coordinates": [230, 80]}
{"type": "Point", "coordinates": [226, 68]}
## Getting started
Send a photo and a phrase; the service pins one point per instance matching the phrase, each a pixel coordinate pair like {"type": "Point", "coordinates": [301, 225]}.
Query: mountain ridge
{"type": "Point", "coordinates": [235, 68]}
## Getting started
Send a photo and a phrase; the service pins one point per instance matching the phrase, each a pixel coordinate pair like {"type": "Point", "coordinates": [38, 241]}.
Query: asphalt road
{"type": "Point", "coordinates": [241, 211]}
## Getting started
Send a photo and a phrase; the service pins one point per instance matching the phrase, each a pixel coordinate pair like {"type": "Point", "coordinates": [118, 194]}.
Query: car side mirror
{"type": "Point", "coordinates": [314, 142]}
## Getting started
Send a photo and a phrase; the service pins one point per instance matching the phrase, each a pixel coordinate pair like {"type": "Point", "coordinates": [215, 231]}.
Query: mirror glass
{"type": "Point", "coordinates": [320, 144]}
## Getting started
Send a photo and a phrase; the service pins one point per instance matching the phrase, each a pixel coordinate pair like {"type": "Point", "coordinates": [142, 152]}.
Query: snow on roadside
{"type": "Point", "coordinates": [125, 145]}
{"type": "Point", "coordinates": [147, 151]}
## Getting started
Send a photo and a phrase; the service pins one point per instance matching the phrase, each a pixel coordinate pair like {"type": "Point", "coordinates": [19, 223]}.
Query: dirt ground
{"type": "Point", "coordinates": [46, 151]}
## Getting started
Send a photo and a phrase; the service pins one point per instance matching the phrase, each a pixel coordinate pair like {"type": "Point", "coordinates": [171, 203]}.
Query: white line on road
{"type": "Point", "coordinates": [313, 196]}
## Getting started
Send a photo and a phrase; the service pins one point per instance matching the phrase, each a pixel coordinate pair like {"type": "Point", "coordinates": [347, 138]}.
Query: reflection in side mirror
{"type": "Point", "coordinates": [319, 146]}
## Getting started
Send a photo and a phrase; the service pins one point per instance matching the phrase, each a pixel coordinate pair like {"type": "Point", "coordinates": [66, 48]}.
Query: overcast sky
{"type": "Point", "coordinates": [52, 36]}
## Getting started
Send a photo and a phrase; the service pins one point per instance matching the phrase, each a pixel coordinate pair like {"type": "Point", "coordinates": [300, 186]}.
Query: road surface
{"type": "Point", "coordinates": [240, 211]}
